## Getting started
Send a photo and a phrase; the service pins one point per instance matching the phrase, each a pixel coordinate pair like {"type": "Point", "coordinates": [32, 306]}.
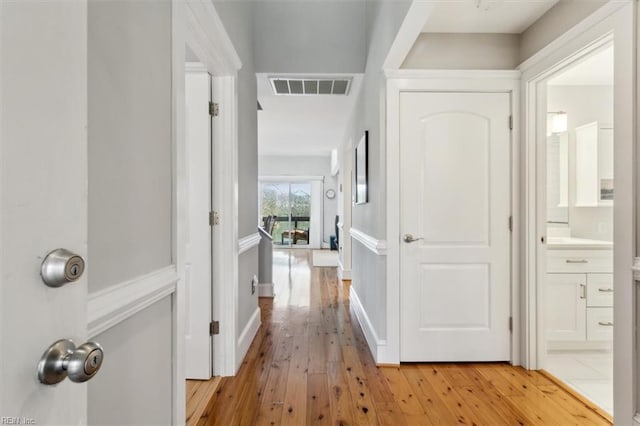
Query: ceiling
{"type": "Point", "coordinates": [596, 70]}
{"type": "Point", "coordinates": [485, 16]}
{"type": "Point", "coordinates": [303, 125]}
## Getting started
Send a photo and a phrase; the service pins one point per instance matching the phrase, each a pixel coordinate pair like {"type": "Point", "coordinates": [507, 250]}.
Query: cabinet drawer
{"type": "Point", "coordinates": [600, 324]}
{"type": "Point", "coordinates": [600, 290]}
{"type": "Point", "coordinates": [580, 261]}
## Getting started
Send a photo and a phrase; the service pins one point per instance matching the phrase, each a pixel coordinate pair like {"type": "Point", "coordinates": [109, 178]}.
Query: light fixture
{"type": "Point", "coordinates": [556, 122]}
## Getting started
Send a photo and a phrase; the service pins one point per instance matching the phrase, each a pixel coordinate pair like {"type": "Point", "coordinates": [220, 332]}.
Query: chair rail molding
{"type": "Point", "coordinates": [375, 245]}
{"type": "Point", "coordinates": [112, 305]}
{"type": "Point", "coordinates": [248, 242]}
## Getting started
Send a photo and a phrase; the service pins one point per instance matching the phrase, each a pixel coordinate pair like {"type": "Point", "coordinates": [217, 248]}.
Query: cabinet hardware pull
{"type": "Point", "coordinates": [605, 324]}
{"type": "Point", "coordinates": [605, 290]}
{"type": "Point", "coordinates": [577, 261]}
{"type": "Point", "coordinates": [583, 291]}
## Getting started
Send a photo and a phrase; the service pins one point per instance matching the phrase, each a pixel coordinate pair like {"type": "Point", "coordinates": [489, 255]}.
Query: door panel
{"type": "Point", "coordinates": [198, 259]}
{"type": "Point", "coordinates": [455, 197]}
{"type": "Point", "coordinates": [43, 187]}
{"type": "Point", "coordinates": [448, 195]}
{"type": "Point", "coordinates": [565, 307]}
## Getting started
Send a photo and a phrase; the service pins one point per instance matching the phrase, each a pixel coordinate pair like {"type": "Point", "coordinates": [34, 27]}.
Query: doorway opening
{"type": "Point", "coordinates": [576, 184]}
{"type": "Point", "coordinates": [286, 213]}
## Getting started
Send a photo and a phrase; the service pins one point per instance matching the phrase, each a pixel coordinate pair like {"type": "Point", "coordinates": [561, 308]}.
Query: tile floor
{"type": "Point", "coordinates": [589, 373]}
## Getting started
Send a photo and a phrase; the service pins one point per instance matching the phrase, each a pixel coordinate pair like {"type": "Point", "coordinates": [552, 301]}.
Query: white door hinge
{"type": "Point", "coordinates": [214, 218]}
{"type": "Point", "coordinates": [214, 109]}
{"type": "Point", "coordinates": [511, 122]}
{"type": "Point", "coordinates": [511, 324]}
{"type": "Point", "coordinates": [510, 223]}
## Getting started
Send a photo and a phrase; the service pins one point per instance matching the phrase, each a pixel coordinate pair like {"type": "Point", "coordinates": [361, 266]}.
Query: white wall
{"type": "Point", "coordinates": [555, 22]}
{"type": "Point", "coordinates": [309, 37]}
{"type": "Point", "coordinates": [129, 140]}
{"type": "Point", "coordinates": [584, 104]}
{"type": "Point", "coordinates": [369, 269]}
{"type": "Point", "coordinates": [130, 192]}
{"type": "Point", "coordinates": [272, 165]}
{"type": "Point", "coordinates": [464, 51]}
{"type": "Point", "coordinates": [134, 383]}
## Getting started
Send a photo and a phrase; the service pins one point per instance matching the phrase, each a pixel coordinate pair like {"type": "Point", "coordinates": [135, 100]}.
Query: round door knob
{"type": "Point", "coordinates": [64, 359]}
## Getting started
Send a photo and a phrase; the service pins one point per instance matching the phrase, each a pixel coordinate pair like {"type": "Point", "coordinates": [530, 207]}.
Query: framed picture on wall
{"type": "Point", "coordinates": [361, 166]}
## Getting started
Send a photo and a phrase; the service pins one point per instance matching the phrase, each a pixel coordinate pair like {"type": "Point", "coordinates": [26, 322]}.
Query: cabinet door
{"type": "Point", "coordinates": [565, 307]}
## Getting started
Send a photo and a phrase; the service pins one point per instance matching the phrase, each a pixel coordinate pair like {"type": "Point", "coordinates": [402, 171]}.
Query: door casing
{"type": "Point", "coordinates": [440, 81]}
{"type": "Point", "coordinates": [614, 22]}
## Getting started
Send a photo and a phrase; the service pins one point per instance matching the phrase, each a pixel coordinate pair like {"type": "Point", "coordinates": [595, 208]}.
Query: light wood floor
{"type": "Point", "coordinates": [309, 364]}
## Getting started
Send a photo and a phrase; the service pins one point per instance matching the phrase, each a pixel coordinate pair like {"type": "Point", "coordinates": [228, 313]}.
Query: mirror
{"type": "Point", "coordinates": [558, 178]}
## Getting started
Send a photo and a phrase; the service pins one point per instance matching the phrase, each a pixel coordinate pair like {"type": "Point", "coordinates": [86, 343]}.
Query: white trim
{"type": "Point", "coordinates": [289, 178]}
{"type": "Point", "coordinates": [379, 247]}
{"type": "Point", "coordinates": [247, 336]}
{"type": "Point", "coordinates": [442, 81]}
{"type": "Point", "coordinates": [265, 290]}
{"type": "Point", "coordinates": [376, 345]}
{"type": "Point", "coordinates": [195, 67]}
{"type": "Point", "coordinates": [450, 75]}
{"type": "Point", "coordinates": [596, 17]}
{"type": "Point", "coordinates": [343, 274]}
{"type": "Point", "coordinates": [208, 38]}
{"type": "Point", "coordinates": [248, 242]}
{"type": "Point", "coordinates": [620, 21]}
{"type": "Point", "coordinates": [109, 307]}
{"type": "Point", "coordinates": [411, 27]}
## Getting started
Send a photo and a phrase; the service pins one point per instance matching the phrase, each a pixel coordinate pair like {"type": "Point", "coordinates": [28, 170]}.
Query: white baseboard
{"type": "Point", "coordinates": [579, 346]}
{"type": "Point", "coordinates": [376, 345]}
{"type": "Point", "coordinates": [265, 290]}
{"type": "Point", "coordinates": [343, 274]}
{"type": "Point", "coordinates": [247, 336]}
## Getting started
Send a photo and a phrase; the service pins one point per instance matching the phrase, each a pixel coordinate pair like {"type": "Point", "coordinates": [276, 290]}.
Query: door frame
{"type": "Point", "coordinates": [316, 198]}
{"type": "Point", "coordinates": [611, 22]}
{"type": "Point", "coordinates": [441, 81]}
{"type": "Point", "coordinates": [196, 23]}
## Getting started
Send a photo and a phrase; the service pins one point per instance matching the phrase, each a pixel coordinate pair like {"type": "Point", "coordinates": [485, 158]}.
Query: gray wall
{"type": "Point", "coordinates": [272, 165]}
{"type": "Point", "coordinates": [133, 386]}
{"type": "Point", "coordinates": [309, 37]}
{"type": "Point", "coordinates": [237, 18]}
{"type": "Point", "coordinates": [368, 269]}
{"type": "Point", "coordinates": [584, 104]}
{"type": "Point", "coordinates": [555, 22]}
{"type": "Point", "coordinates": [129, 132]}
{"type": "Point", "coordinates": [464, 51]}
{"type": "Point", "coordinates": [129, 87]}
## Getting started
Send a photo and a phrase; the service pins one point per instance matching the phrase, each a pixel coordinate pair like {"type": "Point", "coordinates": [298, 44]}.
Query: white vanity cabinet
{"type": "Point", "coordinates": [579, 294]}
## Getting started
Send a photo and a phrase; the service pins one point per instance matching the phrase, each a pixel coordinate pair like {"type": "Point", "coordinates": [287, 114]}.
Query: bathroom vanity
{"type": "Point", "coordinates": [579, 291]}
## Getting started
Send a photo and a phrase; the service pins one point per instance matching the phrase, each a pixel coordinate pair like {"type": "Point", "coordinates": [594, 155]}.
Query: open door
{"type": "Point", "coordinates": [198, 262]}
{"type": "Point", "coordinates": [43, 183]}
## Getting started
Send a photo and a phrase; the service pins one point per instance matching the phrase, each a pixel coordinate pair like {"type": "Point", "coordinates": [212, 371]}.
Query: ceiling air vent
{"type": "Point", "coordinates": [310, 86]}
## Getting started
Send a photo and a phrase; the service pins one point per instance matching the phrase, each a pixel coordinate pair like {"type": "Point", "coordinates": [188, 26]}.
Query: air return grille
{"type": "Point", "coordinates": [310, 86]}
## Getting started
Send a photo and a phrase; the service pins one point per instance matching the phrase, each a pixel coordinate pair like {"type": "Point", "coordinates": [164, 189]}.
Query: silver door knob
{"type": "Point", "coordinates": [61, 267]}
{"type": "Point", "coordinates": [408, 238]}
{"type": "Point", "coordinates": [64, 359]}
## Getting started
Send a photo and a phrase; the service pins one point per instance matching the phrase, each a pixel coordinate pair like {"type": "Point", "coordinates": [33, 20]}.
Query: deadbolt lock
{"type": "Point", "coordinates": [60, 267]}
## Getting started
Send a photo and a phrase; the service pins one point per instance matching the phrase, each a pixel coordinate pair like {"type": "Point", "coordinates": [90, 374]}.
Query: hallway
{"type": "Point", "coordinates": [309, 364]}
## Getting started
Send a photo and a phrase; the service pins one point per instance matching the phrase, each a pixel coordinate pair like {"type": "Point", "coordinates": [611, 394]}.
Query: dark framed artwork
{"type": "Point", "coordinates": [361, 169]}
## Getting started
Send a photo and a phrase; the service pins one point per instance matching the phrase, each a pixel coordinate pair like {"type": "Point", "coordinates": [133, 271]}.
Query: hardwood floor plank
{"type": "Point", "coordinates": [310, 364]}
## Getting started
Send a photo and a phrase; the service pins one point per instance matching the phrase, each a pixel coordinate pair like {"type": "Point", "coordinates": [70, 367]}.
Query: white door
{"type": "Point", "coordinates": [566, 307]}
{"type": "Point", "coordinates": [43, 188]}
{"type": "Point", "coordinates": [455, 186]}
{"type": "Point", "coordinates": [198, 279]}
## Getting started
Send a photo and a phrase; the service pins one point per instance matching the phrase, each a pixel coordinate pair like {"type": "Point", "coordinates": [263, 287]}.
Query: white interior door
{"type": "Point", "coordinates": [198, 277]}
{"type": "Point", "coordinates": [43, 188]}
{"type": "Point", "coordinates": [455, 197]}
